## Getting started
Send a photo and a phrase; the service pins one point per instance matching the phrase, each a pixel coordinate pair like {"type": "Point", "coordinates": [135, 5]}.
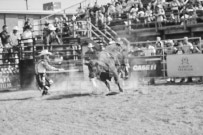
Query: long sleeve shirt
{"type": "Point", "coordinates": [42, 66]}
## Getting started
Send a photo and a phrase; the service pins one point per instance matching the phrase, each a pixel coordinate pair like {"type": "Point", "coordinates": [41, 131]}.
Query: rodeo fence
{"type": "Point", "coordinates": [168, 62]}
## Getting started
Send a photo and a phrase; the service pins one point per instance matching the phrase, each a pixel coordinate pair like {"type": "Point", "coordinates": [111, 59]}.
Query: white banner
{"type": "Point", "coordinates": [186, 65]}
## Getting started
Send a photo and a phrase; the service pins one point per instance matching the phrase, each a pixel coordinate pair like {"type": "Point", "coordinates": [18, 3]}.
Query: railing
{"type": "Point", "coordinates": [164, 49]}
{"type": "Point", "coordinates": [128, 22]}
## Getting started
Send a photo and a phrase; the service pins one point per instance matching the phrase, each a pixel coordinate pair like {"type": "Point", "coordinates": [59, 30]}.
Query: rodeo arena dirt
{"type": "Point", "coordinates": [130, 67]}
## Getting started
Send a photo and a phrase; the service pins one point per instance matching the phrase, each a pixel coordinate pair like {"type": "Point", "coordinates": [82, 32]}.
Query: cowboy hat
{"type": "Point", "coordinates": [15, 28]}
{"type": "Point", "coordinates": [51, 27]}
{"type": "Point", "coordinates": [90, 45]}
{"type": "Point", "coordinates": [45, 52]}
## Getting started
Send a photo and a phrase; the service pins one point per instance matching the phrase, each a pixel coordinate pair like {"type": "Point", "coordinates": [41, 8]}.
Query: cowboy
{"type": "Point", "coordinates": [91, 54]}
{"type": "Point", "coordinates": [51, 36]}
{"type": "Point", "coordinates": [41, 68]}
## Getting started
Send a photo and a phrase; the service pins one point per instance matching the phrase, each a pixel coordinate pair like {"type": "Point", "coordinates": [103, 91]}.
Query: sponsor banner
{"type": "Point", "coordinates": [185, 65]}
{"type": "Point", "coordinates": [9, 78]}
{"type": "Point", "coordinates": [146, 66]}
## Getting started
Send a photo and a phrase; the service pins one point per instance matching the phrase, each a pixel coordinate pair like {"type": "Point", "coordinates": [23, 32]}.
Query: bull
{"type": "Point", "coordinates": [109, 65]}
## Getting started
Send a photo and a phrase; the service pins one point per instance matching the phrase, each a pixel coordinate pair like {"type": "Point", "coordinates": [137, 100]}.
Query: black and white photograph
{"type": "Point", "coordinates": [101, 67]}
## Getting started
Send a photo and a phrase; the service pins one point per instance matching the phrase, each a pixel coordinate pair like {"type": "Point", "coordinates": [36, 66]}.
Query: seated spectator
{"type": "Point", "coordinates": [134, 9]}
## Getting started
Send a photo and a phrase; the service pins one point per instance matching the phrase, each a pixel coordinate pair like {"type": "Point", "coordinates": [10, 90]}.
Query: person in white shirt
{"type": "Point", "coordinates": [27, 40]}
{"type": "Point", "coordinates": [149, 50]}
{"type": "Point", "coordinates": [41, 67]}
{"type": "Point", "coordinates": [14, 39]}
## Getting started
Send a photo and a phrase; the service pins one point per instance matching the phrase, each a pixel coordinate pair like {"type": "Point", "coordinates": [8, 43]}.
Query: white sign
{"type": "Point", "coordinates": [186, 65]}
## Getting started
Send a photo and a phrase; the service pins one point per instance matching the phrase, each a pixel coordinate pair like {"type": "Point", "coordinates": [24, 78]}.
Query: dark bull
{"type": "Point", "coordinates": [108, 65]}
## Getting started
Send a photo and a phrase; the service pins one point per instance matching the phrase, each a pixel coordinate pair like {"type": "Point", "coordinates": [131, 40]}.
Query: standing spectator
{"type": "Point", "coordinates": [187, 46]}
{"type": "Point", "coordinates": [148, 15]}
{"type": "Point", "coordinates": [14, 39]}
{"type": "Point", "coordinates": [51, 36]}
{"type": "Point", "coordinates": [111, 10]}
{"type": "Point", "coordinates": [160, 16]}
{"type": "Point", "coordinates": [175, 10]}
{"type": "Point", "coordinates": [119, 9]}
{"type": "Point", "coordinates": [27, 23]}
{"type": "Point", "coordinates": [169, 51]}
{"type": "Point", "coordinates": [1, 50]}
{"type": "Point", "coordinates": [159, 46]}
{"type": "Point", "coordinates": [5, 38]}
{"type": "Point", "coordinates": [27, 41]}
{"type": "Point", "coordinates": [100, 20]}
{"type": "Point", "coordinates": [187, 49]}
{"type": "Point", "coordinates": [149, 50]}
{"type": "Point", "coordinates": [57, 24]}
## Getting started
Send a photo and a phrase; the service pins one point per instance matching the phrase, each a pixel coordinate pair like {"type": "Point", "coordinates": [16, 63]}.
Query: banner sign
{"type": "Point", "coordinates": [146, 66]}
{"type": "Point", "coordinates": [9, 78]}
{"type": "Point", "coordinates": [186, 65]}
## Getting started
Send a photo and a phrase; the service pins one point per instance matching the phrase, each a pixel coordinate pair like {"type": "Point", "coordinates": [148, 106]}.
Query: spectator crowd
{"type": "Point", "coordinates": [161, 11]}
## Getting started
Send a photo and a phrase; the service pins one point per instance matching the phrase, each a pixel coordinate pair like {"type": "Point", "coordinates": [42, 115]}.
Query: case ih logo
{"type": "Point", "coordinates": [144, 67]}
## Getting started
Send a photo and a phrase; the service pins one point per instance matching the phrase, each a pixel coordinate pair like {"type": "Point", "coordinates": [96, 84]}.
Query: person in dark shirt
{"type": "Point", "coordinates": [5, 38]}
{"type": "Point", "coordinates": [27, 24]}
{"type": "Point", "coordinates": [51, 36]}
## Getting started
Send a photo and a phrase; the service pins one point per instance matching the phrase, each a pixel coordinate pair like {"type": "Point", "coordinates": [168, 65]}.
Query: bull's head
{"type": "Point", "coordinates": [93, 69]}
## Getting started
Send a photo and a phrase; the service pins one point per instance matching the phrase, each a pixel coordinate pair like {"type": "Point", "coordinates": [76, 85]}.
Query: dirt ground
{"type": "Point", "coordinates": [144, 110]}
